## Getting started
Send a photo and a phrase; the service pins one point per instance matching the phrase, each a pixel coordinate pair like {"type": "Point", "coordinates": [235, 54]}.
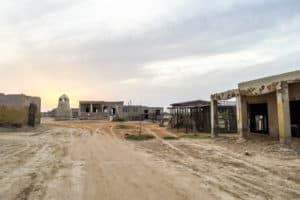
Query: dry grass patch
{"type": "Point", "coordinates": [124, 126]}
{"type": "Point", "coordinates": [196, 136]}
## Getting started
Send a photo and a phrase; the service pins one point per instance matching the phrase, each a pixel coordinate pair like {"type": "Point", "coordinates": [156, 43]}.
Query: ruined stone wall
{"type": "Point", "coordinates": [138, 113]}
{"type": "Point", "coordinates": [13, 115]}
{"type": "Point", "coordinates": [14, 110]}
{"type": "Point", "coordinates": [133, 113]}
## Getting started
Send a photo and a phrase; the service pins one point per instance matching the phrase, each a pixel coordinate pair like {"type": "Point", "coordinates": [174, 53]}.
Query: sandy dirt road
{"type": "Point", "coordinates": [90, 160]}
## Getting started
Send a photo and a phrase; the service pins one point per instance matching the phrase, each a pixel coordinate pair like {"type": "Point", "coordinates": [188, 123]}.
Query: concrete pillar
{"type": "Point", "coordinates": [242, 117]}
{"type": "Point", "coordinates": [214, 118]}
{"type": "Point", "coordinates": [283, 110]}
{"type": "Point", "coordinates": [79, 110]}
{"type": "Point", "coordinates": [91, 108]}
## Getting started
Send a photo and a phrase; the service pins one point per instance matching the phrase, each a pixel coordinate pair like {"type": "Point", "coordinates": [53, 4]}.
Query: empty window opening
{"type": "Point", "coordinates": [105, 109]}
{"type": "Point", "coordinates": [146, 114]}
{"type": "Point", "coordinates": [96, 108]}
{"type": "Point", "coordinates": [259, 118]}
{"type": "Point", "coordinates": [157, 112]}
{"type": "Point", "coordinates": [113, 111]}
{"type": "Point", "coordinates": [295, 118]}
{"type": "Point", "coordinates": [32, 114]}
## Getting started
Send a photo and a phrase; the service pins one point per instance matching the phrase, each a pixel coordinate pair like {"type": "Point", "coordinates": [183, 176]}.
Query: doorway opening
{"type": "Point", "coordinates": [105, 109]}
{"type": "Point", "coordinates": [146, 114]}
{"type": "Point", "coordinates": [32, 114]}
{"type": "Point", "coordinates": [259, 118]}
{"type": "Point", "coordinates": [113, 111]}
{"type": "Point", "coordinates": [295, 118]}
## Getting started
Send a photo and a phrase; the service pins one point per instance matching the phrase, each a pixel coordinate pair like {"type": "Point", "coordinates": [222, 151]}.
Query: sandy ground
{"type": "Point", "coordinates": [91, 160]}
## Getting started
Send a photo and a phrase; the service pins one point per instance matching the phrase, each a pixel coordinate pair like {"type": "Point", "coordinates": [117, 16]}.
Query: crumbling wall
{"type": "Point", "coordinates": [13, 115]}
{"type": "Point", "coordinates": [14, 109]}
{"type": "Point", "coordinates": [104, 110]}
{"type": "Point", "coordinates": [137, 112]}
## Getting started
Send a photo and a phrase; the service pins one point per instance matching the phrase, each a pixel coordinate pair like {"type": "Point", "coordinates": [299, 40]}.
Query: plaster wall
{"type": "Point", "coordinates": [271, 101]}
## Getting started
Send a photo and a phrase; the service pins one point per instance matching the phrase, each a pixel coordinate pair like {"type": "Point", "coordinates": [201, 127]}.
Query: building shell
{"type": "Point", "coordinates": [17, 110]}
{"type": "Point", "coordinates": [99, 110]}
{"type": "Point", "coordinates": [268, 105]}
{"type": "Point", "coordinates": [195, 116]}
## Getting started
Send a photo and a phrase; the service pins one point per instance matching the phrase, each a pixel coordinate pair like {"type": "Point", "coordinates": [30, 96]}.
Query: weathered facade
{"type": "Point", "coordinates": [269, 106]}
{"type": "Point", "coordinates": [92, 110]}
{"type": "Point", "coordinates": [133, 112]}
{"type": "Point", "coordinates": [195, 116]}
{"type": "Point", "coordinates": [19, 110]}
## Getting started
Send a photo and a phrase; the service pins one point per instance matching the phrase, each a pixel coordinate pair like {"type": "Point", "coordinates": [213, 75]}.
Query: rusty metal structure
{"type": "Point", "coordinates": [194, 116]}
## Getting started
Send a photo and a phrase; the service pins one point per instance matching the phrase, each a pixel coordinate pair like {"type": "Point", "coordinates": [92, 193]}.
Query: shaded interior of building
{"type": "Point", "coordinates": [259, 115]}
{"type": "Point", "coordinates": [295, 118]}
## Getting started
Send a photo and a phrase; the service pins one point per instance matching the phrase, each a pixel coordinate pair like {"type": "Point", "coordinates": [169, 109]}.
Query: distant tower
{"type": "Point", "coordinates": [63, 111]}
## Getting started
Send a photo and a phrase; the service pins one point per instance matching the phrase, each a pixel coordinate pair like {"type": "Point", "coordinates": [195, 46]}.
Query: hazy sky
{"type": "Point", "coordinates": [151, 52]}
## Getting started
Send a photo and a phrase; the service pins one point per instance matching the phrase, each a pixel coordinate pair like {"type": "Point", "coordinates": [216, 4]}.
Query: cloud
{"type": "Point", "coordinates": [163, 49]}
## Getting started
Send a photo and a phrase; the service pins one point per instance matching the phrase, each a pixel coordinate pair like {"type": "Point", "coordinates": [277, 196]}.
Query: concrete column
{"type": "Point", "coordinates": [79, 111]}
{"type": "Point", "coordinates": [91, 108]}
{"type": "Point", "coordinates": [242, 117]}
{"type": "Point", "coordinates": [283, 112]}
{"type": "Point", "coordinates": [214, 118]}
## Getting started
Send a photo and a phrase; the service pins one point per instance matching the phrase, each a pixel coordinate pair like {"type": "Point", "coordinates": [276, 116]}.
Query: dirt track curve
{"type": "Point", "coordinates": [90, 160]}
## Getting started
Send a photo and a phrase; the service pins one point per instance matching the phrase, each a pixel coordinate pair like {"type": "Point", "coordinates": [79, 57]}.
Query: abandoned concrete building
{"type": "Point", "coordinates": [19, 110]}
{"type": "Point", "coordinates": [63, 111]}
{"type": "Point", "coordinates": [268, 105]}
{"type": "Point", "coordinates": [135, 112]}
{"type": "Point", "coordinates": [51, 113]}
{"type": "Point", "coordinates": [195, 116]}
{"type": "Point", "coordinates": [93, 110]}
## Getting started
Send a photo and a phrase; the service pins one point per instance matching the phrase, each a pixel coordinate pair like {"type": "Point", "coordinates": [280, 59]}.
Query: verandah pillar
{"type": "Point", "coordinates": [283, 112]}
{"type": "Point", "coordinates": [242, 121]}
{"type": "Point", "coordinates": [91, 108]}
{"type": "Point", "coordinates": [214, 118]}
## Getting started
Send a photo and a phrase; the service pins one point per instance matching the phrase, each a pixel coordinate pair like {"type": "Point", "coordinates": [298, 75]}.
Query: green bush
{"type": "Point", "coordinates": [124, 126]}
{"type": "Point", "coordinates": [196, 136]}
{"type": "Point", "coordinates": [138, 137]}
{"type": "Point", "coordinates": [118, 119]}
{"type": "Point", "coordinates": [170, 137]}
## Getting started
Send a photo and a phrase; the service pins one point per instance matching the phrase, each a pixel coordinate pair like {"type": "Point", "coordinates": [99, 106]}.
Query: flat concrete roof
{"type": "Point", "coordinates": [192, 103]}
{"type": "Point", "coordinates": [141, 106]}
{"type": "Point", "coordinates": [289, 76]}
{"type": "Point", "coordinates": [99, 102]}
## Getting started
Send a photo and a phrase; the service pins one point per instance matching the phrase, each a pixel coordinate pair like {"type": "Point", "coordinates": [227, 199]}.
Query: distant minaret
{"type": "Point", "coordinates": [63, 111]}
